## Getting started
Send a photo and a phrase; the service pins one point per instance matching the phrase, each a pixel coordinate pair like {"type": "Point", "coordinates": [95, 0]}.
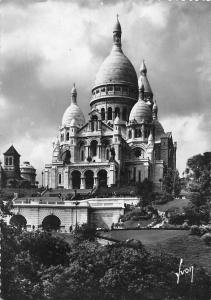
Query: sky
{"type": "Point", "coordinates": [46, 46]}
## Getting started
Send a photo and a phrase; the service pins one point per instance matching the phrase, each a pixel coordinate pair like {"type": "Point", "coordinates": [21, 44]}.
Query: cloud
{"type": "Point", "coordinates": [48, 45]}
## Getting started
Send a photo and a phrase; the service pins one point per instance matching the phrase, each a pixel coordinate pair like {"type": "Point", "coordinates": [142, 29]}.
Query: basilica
{"type": "Point", "coordinates": [122, 142]}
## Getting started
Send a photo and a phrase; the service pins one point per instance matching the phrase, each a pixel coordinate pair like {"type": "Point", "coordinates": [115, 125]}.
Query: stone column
{"type": "Point", "coordinates": [142, 132]}
{"type": "Point", "coordinates": [66, 173]}
{"type": "Point", "coordinates": [70, 182]}
{"type": "Point", "coordinates": [96, 182]}
{"type": "Point", "coordinates": [99, 150]}
{"type": "Point", "coordinates": [82, 186]}
{"type": "Point", "coordinates": [133, 133]}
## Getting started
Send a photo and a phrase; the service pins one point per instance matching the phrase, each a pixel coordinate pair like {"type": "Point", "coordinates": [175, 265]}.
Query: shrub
{"type": "Point", "coordinates": [195, 230]}
{"type": "Point", "coordinates": [207, 239]}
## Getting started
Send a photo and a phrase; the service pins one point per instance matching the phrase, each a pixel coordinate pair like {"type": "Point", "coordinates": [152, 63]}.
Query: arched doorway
{"type": "Point", "coordinates": [76, 179]}
{"type": "Point", "coordinates": [18, 221]}
{"type": "Point", "coordinates": [51, 222]}
{"type": "Point", "coordinates": [89, 179]}
{"type": "Point", "coordinates": [102, 178]}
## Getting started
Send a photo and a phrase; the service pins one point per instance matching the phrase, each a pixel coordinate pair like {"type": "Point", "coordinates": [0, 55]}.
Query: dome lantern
{"type": "Point", "coordinates": [74, 94]}
{"type": "Point", "coordinates": [117, 32]}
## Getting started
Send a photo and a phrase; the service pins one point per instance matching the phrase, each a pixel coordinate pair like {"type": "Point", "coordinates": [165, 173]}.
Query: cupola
{"type": "Point", "coordinates": [73, 112]}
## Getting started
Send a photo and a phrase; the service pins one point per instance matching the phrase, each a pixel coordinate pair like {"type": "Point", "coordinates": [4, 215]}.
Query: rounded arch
{"type": "Point", "coordinates": [110, 113]}
{"type": "Point", "coordinates": [18, 221]}
{"type": "Point", "coordinates": [137, 152]}
{"type": "Point", "coordinates": [81, 150]}
{"type": "Point", "coordinates": [76, 179]}
{"type": "Point", "coordinates": [102, 178]}
{"type": "Point", "coordinates": [89, 179]}
{"type": "Point", "coordinates": [51, 222]}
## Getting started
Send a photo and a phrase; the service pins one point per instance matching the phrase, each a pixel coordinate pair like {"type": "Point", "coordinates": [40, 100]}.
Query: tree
{"type": "Point", "coordinates": [171, 182]}
{"type": "Point", "coordinates": [122, 271]}
{"type": "Point", "coordinates": [145, 190]}
{"type": "Point", "coordinates": [25, 256]}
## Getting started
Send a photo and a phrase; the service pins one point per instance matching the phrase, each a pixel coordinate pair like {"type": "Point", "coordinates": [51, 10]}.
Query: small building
{"type": "Point", "coordinates": [12, 175]}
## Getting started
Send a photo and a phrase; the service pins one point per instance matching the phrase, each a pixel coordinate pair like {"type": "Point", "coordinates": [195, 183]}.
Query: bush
{"type": "Point", "coordinates": [195, 230]}
{"type": "Point", "coordinates": [207, 239]}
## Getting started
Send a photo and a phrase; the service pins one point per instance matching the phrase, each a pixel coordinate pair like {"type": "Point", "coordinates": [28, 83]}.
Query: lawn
{"type": "Point", "coordinates": [176, 242]}
{"type": "Point", "coordinates": [180, 203]}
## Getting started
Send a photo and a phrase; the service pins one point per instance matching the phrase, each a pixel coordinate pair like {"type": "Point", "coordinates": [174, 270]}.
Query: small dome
{"type": "Point", "coordinates": [158, 129]}
{"type": "Point", "coordinates": [140, 111]}
{"type": "Point", "coordinates": [73, 112]}
{"type": "Point", "coordinates": [27, 165]}
{"type": "Point", "coordinates": [116, 68]}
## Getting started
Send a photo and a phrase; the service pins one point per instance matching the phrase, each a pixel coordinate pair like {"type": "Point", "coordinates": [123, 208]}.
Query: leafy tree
{"type": "Point", "coordinates": [145, 190]}
{"type": "Point", "coordinates": [85, 232]}
{"type": "Point", "coordinates": [171, 182]}
{"type": "Point", "coordinates": [122, 271]}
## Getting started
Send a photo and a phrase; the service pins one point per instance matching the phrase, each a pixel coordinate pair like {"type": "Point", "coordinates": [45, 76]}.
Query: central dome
{"type": "Point", "coordinates": [116, 68]}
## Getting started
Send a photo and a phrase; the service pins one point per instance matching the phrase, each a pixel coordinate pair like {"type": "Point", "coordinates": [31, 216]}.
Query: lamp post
{"type": "Point", "coordinates": [76, 216]}
{"type": "Point", "coordinates": [42, 178]}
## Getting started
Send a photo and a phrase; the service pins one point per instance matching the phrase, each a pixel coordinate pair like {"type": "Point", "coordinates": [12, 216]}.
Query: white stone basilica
{"type": "Point", "coordinates": [122, 142]}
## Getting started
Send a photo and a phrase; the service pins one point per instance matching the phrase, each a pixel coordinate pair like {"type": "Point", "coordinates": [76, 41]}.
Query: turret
{"type": "Point", "coordinates": [148, 94]}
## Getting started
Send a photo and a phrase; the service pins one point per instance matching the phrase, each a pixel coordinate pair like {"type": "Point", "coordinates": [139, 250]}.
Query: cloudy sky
{"type": "Point", "coordinates": [48, 45]}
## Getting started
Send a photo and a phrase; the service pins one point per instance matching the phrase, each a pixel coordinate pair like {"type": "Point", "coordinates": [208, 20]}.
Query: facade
{"type": "Point", "coordinates": [12, 175]}
{"type": "Point", "coordinates": [122, 142]}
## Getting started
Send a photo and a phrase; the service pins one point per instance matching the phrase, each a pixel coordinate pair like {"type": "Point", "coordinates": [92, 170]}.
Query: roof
{"type": "Point", "coordinates": [140, 111]}
{"type": "Point", "coordinates": [116, 68]}
{"type": "Point", "coordinates": [12, 151]}
{"type": "Point", "coordinates": [73, 112]}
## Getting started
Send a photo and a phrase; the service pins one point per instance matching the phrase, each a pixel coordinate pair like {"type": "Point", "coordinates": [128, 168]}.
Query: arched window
{"type": "Point", "coordinates": [130, 134]}
{"type": "Point", "coordinates": [139, 132]}
{"type": "Point", "coordinates": [117, 112]}
{"type": "Point", "coordinates": [109, 113]}
{"type": "Point", "coordinates": [107, 154]}
{"type": "Point", "coordinates": [60, 178]}
{"type": "Point", "coordinates": [124, 114]}
{"type": "Point", "coordinates": [82, 155]}
{"type": "Point", "coordinates": [67, 136]}
{"type": "Point", "coordinates": [136, 133]}
{"type": "Point", "coordinates": [93, 148]}
{"type": "Point", "coordinates": [137, 152]}
{"type": "Point", "coordinates": [103, 114]}
{"type": "Point", "coordinates": [10, 161]}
